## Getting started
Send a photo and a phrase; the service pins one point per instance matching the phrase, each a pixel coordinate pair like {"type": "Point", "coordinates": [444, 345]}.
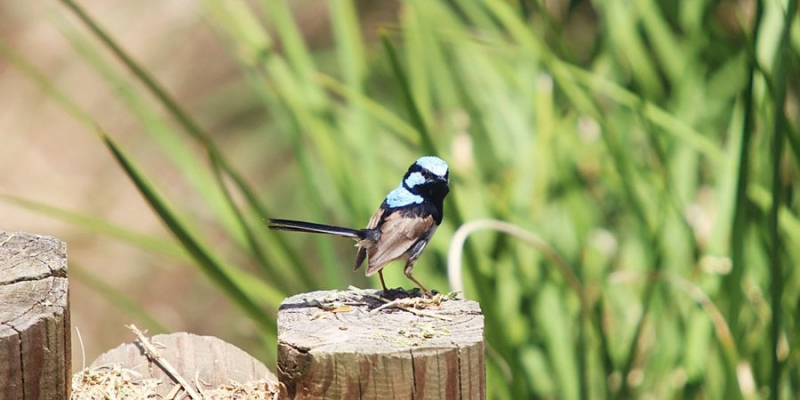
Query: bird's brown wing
{"type": "Point", "coordinates": [362, 247]}
{"type": "Point", "coordinates": [373, 221]}
{"type": "Point", "coordinates": [398, 234]}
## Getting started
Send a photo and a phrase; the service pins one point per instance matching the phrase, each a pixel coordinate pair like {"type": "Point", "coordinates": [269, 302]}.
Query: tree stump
{"type": "Point", "coordinates": [205, 362]}
{"type": "Point", "coordinates": [34, 318]}
{"type": "Point", "coordinates": [341, 345]}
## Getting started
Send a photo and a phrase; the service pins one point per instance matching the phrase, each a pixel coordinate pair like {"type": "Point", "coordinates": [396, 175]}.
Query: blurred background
{"type": "Point", "coordinates": [653, 146]}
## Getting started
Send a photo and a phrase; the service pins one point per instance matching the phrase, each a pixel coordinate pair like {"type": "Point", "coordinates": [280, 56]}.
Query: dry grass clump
{"type": "Point", "coordinates": [258, 390]}
{"type": "Point", "coordinates": [112, 382]}
{"type": "Point", "coordinates": [115, 382]}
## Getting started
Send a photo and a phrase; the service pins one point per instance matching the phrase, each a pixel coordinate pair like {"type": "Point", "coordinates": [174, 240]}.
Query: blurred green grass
{"type": "Point", "coordinates": [649, 149]}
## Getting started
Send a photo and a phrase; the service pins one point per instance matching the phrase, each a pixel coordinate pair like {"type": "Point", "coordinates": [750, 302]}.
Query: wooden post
{"type": "Point", "coordinates": [34, 318]}
{"type": "Point", "coordinates": [338, 345]}
{"type": "Point", "coordinates": [206, 363]}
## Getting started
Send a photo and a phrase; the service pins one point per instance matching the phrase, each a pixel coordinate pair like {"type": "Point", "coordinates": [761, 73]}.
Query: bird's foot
{"type": "Point", "coordinates": [397, 293]}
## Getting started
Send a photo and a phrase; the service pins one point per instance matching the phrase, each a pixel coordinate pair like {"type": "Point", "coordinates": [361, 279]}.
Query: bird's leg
{"type": "Point", "coordinates": [409, 267]}
{"type": "Point", "coordinates": [385, 290]}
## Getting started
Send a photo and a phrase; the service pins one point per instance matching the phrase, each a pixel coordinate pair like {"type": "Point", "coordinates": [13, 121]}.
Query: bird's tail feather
{"type": "Point", "coordinates": [310, 227]}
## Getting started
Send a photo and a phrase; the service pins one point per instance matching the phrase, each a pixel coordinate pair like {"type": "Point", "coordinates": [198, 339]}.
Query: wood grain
{"type": "Point", "coordinates": [34, 318]}
{"type": "Point", "coordinates": [331, 346]}
{"type": "Point", "coordinates": [210, 360]}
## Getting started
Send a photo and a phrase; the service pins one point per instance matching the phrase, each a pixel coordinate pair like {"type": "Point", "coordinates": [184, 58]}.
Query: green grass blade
{"type": "Point", "coordinates": [665, 46]}
{"type": "Point", "coordinates": [184, 157]}
{"type": "Point", "coordinates": [403, 132]}
{"type": "Point", "coordinates": [416, 117]}
{"type": "Point", "coordinates": [777, 273]}
{"type": "Point", "coordinates": [141, 74]}
{"type": "Point", "coordinates": [253, 243]}
{"type": "Point", "coordinates": [740, 217]}
{"type": "Point", "coordinates": [183, 118]}
{"type": "Point", "coordinates": [189, 125]}
{"type": "Point", "coordinates": [201, 254]}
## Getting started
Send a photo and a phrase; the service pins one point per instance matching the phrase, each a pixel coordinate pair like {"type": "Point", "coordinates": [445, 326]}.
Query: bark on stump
{"type": "Point", "coordinates": [335, 345]}
{"type": "Point", "coordinates": [34, 318]}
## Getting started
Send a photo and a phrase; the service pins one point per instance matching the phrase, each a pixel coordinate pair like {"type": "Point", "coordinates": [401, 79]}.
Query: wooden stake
{"type": "Point", "coordinates": [391, 354]}
{"type": "Point", "coordinates": [34, 318]}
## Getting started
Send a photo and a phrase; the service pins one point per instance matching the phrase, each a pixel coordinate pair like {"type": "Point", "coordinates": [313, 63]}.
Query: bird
{"type": "Point", "coordinates": [401, 227]}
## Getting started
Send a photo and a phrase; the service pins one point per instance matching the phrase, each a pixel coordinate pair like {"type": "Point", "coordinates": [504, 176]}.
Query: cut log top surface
{"type": "Point", "coordinates": [26, 258]}
{"type": "Point", "coordinates": [345, 321]}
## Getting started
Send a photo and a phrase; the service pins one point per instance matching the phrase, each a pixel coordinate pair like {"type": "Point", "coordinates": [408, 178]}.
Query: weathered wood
{"type": "Point", "coordinates": [34, 318]}
{"type": "Point", "coordinates": [204, 359]}
{"type": "Point", "coordinates": [330, 345]}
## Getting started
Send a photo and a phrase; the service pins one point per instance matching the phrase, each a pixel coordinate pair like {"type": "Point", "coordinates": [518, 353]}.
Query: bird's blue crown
{"type": "Point", "coordinates": [434, 164]}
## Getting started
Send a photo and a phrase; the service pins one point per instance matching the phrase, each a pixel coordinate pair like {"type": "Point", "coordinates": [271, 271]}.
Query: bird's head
{"type": "Point", "coordinates": [429, 177]}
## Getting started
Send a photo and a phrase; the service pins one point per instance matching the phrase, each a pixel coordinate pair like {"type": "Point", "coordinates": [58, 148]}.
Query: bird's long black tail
{"type": "Point", "coordinates": [310, 227]}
